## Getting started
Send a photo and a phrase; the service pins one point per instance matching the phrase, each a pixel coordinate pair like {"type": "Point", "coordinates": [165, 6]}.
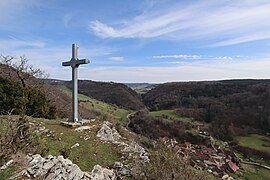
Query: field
{"type": "Point", "coordinates": [256, 142]}
{"type": "Point", "coordinates": [170, 114]}
{"type": "Point", "coordinates": [118, 115]}
{"type": "Point", "coordinates": [252, 172]}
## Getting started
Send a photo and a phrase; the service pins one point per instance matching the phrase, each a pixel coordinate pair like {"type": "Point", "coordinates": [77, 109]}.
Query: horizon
{"type": "Point", "coordinates": [141, 41]}
{"type": "Point", "coordinates": [215, 80]}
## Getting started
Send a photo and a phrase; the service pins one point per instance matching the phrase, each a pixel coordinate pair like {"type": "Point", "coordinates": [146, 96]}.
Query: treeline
{"type": "Point", "coordinates": [227, 105]}
{"type": "Point", "coordinates": [110, 92]}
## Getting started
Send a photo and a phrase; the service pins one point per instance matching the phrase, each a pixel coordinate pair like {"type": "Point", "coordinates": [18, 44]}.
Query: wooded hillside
{"type": "Point", "coordinates": [224, 104]}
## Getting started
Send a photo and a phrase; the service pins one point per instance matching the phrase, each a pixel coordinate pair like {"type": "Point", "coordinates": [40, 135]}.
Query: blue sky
{"type": "Point", "coordinates": [141, 41]}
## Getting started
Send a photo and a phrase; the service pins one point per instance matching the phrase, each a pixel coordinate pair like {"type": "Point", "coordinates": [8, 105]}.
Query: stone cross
{"type": "Point", "coordinates": [74, 63]}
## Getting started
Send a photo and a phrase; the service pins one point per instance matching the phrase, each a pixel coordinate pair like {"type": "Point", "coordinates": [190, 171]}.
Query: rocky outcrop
{"type": "Point", "coordinates": [5, 166]}
{"type": "Point", "coordinates": [136, 151]}
{"type": "Point", "coordinates": [100, 173]}
{"type": "Point", "coordinates": [50, 168]}
{"type": "Point", "coordinates": [108, 133]}
{"type": "Point", "coordinates": [133, 149]}
{"type": "Point", "coordinates": [121, 170]}
{"type": "Point", "coordinates": [60, 168]}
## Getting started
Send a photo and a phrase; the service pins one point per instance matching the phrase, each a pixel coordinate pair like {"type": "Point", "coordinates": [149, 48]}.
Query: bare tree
{"type": "Point", "coordinates": [22, 69]}
{"type": "Point", "coordinates": [7, 62]}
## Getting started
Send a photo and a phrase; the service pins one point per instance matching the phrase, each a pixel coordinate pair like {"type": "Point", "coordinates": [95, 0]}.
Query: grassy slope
{"type": "Point", "coordinates": [116, 114]}
{"type": "Point", "coordinates": [255, 141]}
{"type": "Point", "coordinates": [89, 153]}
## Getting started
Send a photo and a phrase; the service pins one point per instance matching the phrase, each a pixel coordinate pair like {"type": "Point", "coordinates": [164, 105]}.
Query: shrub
{"type": "Point", "coordinates": [24, 100]}
{"type": "Point", "coordinates": [165, 164]}
{"type": "Point", "coordinates": [15, 136]}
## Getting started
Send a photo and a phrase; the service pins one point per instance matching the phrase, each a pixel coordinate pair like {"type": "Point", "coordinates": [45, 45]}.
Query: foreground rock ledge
{"type": "Point", "coordinates": [56, 168]}
{"type": "Point", "coordinates": [76, 124]}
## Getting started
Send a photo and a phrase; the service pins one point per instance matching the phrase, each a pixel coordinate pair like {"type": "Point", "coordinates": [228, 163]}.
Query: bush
{"type": "Point", "coordinates": [165, 164]}
{"type": "Point", "coordinates": [24, 100]}
{"type": "Point", "coordinates": [15, 136]}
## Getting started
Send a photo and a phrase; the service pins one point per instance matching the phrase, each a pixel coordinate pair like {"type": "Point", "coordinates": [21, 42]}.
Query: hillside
{"type": "Point", "coordinates": [109, 92]}
{"type": "Point", "coordinates": [176, 135]}
{"type": "Point", "coordinates": [228, 103]}
{"type": "Point", "coordinates": [105, 111]}
{"type": "Point", "coordinates": [61, 100]}
{"type": "Point", "coordinates": [97, 149]}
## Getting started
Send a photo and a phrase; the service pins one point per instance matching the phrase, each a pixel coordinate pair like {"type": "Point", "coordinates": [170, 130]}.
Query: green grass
{"type": "Point", "coordinates": [89, 153]}
{"type": "Point", "coordinates": [255, 141]}
{"type": "Point", "coordinates": [116, 114]}
{"type": "Point", "coordinates": [170, 114]}
{"type": "Point", "coordinates": [5, 174]}
{"type": "Point", "coordinates": [257, 173]}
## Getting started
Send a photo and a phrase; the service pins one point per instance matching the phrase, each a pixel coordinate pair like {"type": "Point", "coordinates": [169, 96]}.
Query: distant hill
{"type": "Point", "coordinates": [109, 92]}
{"type": "Point", "coordinates": [246, 81]}
{"type": "Point", "coordinates": [224, 104]}
{"type": "Point", "coordinates": [141, 88]}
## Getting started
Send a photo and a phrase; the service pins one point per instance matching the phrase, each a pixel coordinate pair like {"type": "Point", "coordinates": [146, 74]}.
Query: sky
{"type": "Point", "coordinates": [151, 41]}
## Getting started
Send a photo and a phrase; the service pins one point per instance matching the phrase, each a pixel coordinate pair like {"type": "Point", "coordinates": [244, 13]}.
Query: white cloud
{"type": "Point", "coordinates": [180, 56]}
{"type": "Point", "coordinates": [234, 21]}
{"type": "Point", "coordinates": [223, 58]}
{"type": "Point", "coordinates": [117, 58]}
{"type": "Point", "coordinates": [40, 54]}
{"type": "Point", "coordinates": [179, 72]}
{"type": "Point", "coordinates": [196, 57]}
{"type": "Point", "coordinates": [18, 43]}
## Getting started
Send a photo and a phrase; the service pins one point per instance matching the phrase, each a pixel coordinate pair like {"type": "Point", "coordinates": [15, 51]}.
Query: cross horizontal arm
{"type": "Point", "coordinates": [83, 61]}
{"type": "Point", "coordinates": [66, 63]}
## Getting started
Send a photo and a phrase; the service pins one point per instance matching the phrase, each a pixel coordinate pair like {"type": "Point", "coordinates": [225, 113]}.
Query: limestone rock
{"type": "Point", "coordinates": [117, 165]}
{"type": "Point", "coordinates": [99, 173]}
{"type": "Point", "coordinates": [135, 149]}
{"type": "Point", "coordinates": [75, 124]}
{"type": "Point", "coordinates": [5, 166]}
{"type": "Point", "coordinates": [108, 134]}
{"type": "Point", "coordinates": [75, 145]}
{"type": "Point", "coordinates": [51, 168]}
{"type": "Point", "coordinates": [121, 170]}
{"type": "Point", "coordinates": [108, 123]}
{"type": "Point", "coordinates": [82, 128]}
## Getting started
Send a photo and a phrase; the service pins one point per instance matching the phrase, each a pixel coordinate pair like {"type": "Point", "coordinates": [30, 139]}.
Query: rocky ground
{"type": "Point", "coordinates": [58, 167]}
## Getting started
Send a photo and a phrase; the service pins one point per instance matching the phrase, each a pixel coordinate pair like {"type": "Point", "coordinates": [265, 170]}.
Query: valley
{"type": "Point", "coordinates": [194, 121]}
{"type": "Point", "coordinates": [134, 90]}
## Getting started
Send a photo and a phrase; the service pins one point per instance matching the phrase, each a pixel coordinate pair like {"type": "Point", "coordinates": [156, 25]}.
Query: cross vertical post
{"type": "Point", "coordinates": [74, 63]}
{"type": "Point", "coordinates": [75, 114]}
